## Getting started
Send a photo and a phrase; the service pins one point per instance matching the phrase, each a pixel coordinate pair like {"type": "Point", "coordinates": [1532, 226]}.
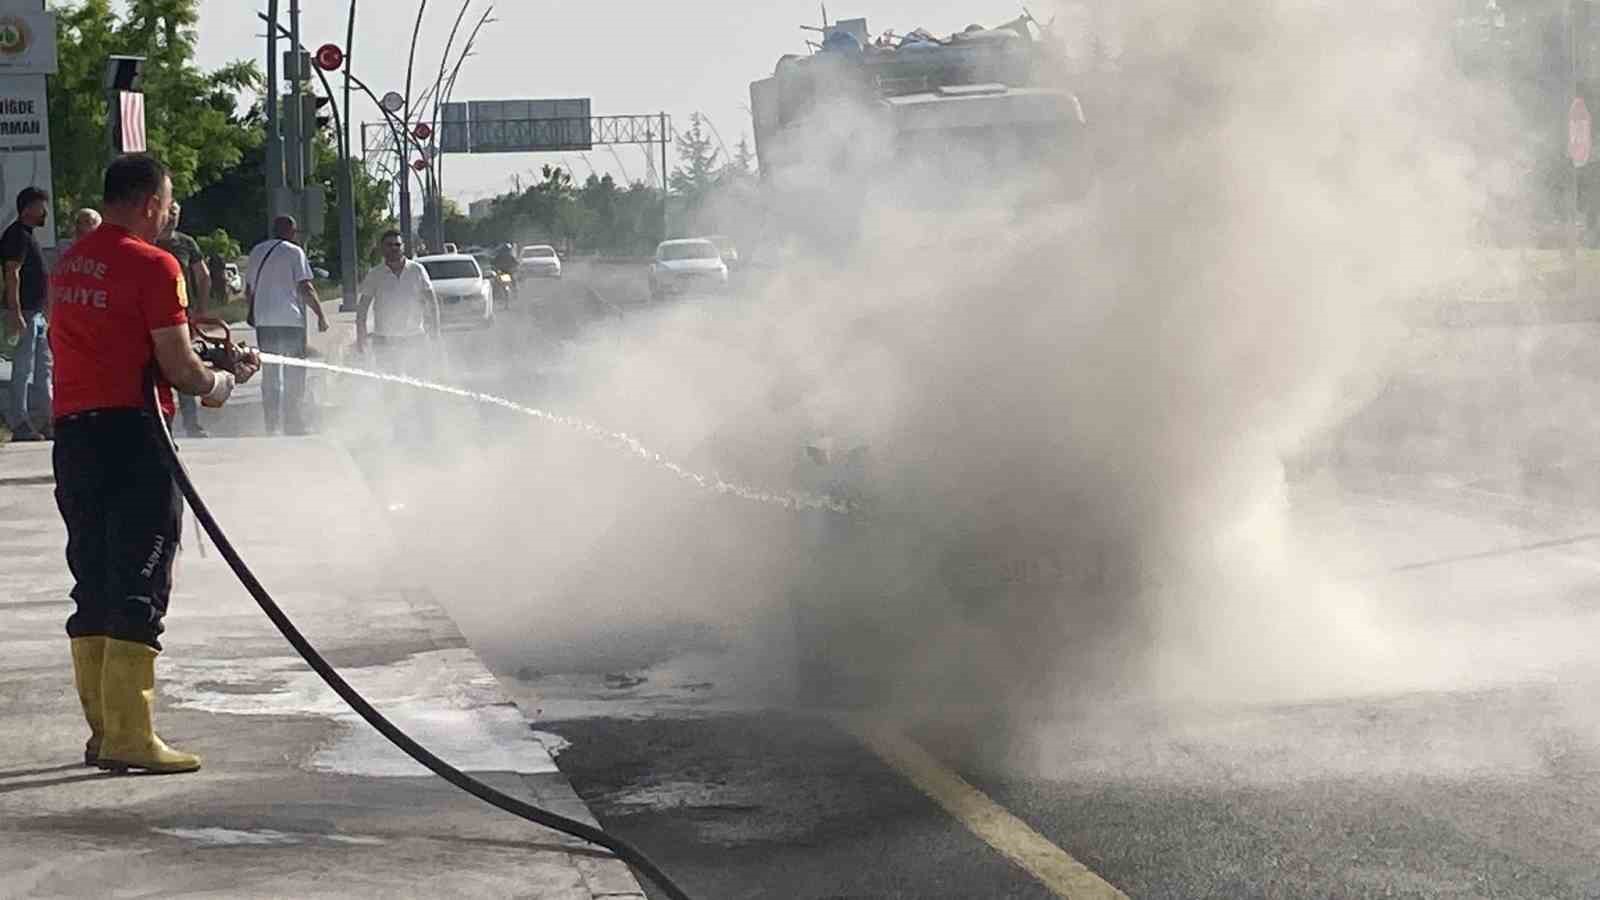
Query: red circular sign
{"type": "Point", "coordinates": [329, 57]}
{"type": "Point", "coordinates": [420, 165]}
{"type": "Point", "coordinates": [423, 131]}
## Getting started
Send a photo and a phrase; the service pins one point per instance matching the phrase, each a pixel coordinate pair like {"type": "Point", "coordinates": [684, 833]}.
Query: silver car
{"type": "Point", "coordinates": [686, 266]}
{"type": "Point", "coordinates": [539, 261]}
{"type": "Point", "coordinates": [464, 292]}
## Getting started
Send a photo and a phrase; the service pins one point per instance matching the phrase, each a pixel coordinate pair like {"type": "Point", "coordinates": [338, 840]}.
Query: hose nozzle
{"type": "Point", "coordinates": [214, 344]}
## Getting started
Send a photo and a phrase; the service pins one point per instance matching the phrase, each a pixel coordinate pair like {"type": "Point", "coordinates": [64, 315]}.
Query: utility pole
{"type": "Point", "coordinates": [666, 135]}
{"type": "Point", "coordinates": [1574, 209]}
{"type": "Point", "coordinates": [405, 193]}
{"type": "Point", "coordinates": [296, 127]}
{"type": "Point", "coordinates": [405, 199]}
{"type": "Point", "coordinates": [438, 206]}
{"type": "Point", "coordinates": [348, 273]}
{"type": "Point", "coordinates": [405, 136]}
{"type": "Point", "coordinates": [275, 183]}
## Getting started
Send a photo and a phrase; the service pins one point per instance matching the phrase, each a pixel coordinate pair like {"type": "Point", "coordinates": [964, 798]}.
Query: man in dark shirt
{"type": "Point", "coordinates": [218, 270]}
{"type": "Point", "coordinates": [25, 289]}
{"type": "Point", "coordinates": [197, 280]}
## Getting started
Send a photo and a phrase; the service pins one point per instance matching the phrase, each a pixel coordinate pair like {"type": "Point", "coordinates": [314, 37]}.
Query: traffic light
{"type": "Point", "coordinates": [318, 115]}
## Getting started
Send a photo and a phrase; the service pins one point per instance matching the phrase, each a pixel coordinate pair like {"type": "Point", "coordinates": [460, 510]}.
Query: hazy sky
{"type": "Point", "coordinates": [630, 56]}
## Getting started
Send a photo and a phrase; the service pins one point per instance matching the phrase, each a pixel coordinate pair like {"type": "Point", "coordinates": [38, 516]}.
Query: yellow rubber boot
{"type": "Point", "coordinates": [127, 695]}
{"type": "Point", "coordinates": [88, 658]}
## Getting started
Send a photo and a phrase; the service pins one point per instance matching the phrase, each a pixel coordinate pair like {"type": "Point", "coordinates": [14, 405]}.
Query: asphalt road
{"type": "Point", "coordinates": [1476, 775]}
{"type": "Point", "coordinates": [1420, 795]}
{"type": "Point", "coordinates": [776, 805]}
{"type": "Point", "coordinates": [1473, 770]}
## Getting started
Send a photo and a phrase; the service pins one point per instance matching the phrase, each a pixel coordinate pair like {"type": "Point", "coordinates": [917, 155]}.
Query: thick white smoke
{"type": "Point", "coordinates": [1074, 415]}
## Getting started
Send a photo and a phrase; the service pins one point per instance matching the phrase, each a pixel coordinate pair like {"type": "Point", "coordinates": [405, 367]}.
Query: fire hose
{"type": "Point", "coordinates": [217, 349]}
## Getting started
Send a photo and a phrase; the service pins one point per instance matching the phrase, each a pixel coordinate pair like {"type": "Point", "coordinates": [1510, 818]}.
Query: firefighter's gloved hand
{"type": "Point", "coordinates": [249, 364]}
{"type": "Point", "coordinates": [221, 389]}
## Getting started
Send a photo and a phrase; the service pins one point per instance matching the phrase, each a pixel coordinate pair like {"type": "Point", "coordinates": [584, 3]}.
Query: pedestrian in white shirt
{"type": "Point", "coordinates": [404, 336]}
{"type": "Point", "coordinates": [278, 285]}
{"type": "Point", "coordinates": [83, 221]}
{"type": "Point", "coordinates": [400, 295]}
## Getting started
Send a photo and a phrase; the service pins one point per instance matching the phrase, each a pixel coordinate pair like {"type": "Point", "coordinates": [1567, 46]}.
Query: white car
{"type": "Point", "coordinates": [539, 261]}
{"type": "Point", "coordinates": [686, 266]}
{"type": "Point", "coordinates": [464, 293]}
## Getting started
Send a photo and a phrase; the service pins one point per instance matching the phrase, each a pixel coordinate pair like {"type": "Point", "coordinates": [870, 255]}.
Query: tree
{"type": "Point", "coordinates": [744, 161]}
{"type": "Point", "coordinates": [371, 202]}
{"type": "Point", "coordinates": [236, 202]}
{"type": "Point", "coordinates": [219, 243]}
{"type": "Point", "coordinates": [456, 226]}
{"type": "Point", "coordinates": [694, 179]}
{"type": "Point", "coordinates": [191, 116]}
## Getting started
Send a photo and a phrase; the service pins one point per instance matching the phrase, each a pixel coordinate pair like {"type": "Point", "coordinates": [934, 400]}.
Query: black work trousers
{"type": "Point", "coordinates": [124, 518]}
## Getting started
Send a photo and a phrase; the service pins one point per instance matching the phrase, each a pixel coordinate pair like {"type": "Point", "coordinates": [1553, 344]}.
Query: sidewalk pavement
{"type": "Point", "coordinates": [298, 797]}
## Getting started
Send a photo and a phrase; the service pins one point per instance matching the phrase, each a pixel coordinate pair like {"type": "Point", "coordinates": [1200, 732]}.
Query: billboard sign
{"type": "Point", "coordinates": [27, 43]}
{"type": "Point", "coordinates": [24, 145]}
{"type": "Point", "coordinates": [516, 126]}
{"type": "Point", "coordinates": [453, 136]}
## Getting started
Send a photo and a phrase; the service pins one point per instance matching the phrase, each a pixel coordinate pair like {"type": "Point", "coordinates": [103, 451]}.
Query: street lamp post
{"type": "Point", "coordinates": [434, 181]}
{"type": "Point", "coordinates": [405, 174]}
{"type": "Point", "coordinates": [297, 127]}
{"type": "Point", "coordinates": [348, 271]}
{"type": "Point", "coordinates": [275, 180]}
{"type": "Point", "coordinates": [1574, 208]}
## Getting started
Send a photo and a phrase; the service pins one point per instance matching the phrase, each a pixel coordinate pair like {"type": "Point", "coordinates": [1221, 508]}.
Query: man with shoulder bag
{"type": "Point", "coordinates": [278, 285]}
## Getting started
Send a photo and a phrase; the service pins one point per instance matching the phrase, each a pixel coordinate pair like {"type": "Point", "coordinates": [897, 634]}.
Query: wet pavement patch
{"type": "Point", "coordinates": [238, 687]}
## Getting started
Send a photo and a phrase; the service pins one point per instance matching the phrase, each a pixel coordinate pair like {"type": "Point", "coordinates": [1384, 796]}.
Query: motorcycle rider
{"type": "Point", "coordinates": [505, 263]}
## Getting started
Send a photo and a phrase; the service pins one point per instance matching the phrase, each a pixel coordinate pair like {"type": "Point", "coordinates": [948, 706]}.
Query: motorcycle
{"type": "Point", "coordinates": [505, 288]}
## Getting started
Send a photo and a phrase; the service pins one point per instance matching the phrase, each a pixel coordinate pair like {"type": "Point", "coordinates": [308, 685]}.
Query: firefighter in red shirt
{"type": "Point", "coordinates": [118, 320]}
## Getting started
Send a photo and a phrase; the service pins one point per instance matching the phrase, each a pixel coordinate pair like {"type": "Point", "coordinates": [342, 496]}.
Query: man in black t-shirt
{"type": "Point", "coordinates": [218, 270]}
{"type": "Point", "coordinates": [197, 281]}
{"type": "Point", "coordinates": [26, 287]}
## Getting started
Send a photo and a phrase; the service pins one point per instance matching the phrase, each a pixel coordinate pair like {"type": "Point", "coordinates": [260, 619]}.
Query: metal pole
{"type": "Point", "coordinates": [405, 167]}
{"type": "Point", "coordinates": [438, 209]}
{"type": "Point", "coordinates": [449, 91]}
{"type": "Point", "coordinates": [295, 130]}
{"type": "Point", "coordinates": [405, 198]}
{"type": "Point", "coordinates": [436, 178]}
{"type": "Point", "coordinates": [666, 136]}
{"type": "Point", "coordinates": [274, 140]}
{"type": "Point", "coordinates": [349, 275]}
{"type": "Point", "coordinates": [1572, 220]}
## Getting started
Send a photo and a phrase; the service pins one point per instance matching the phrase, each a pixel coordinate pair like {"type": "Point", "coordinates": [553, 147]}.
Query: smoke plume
{"type": "Point", "coordinates": [1061, 389]}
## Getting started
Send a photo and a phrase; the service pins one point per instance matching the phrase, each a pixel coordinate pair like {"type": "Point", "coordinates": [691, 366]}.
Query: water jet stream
{"type": "Point", "coordinates": [616, 439]}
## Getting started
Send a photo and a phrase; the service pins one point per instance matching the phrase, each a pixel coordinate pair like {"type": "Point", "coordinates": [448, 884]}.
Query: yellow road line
{"type": "Point", "coordinates": [1014, 838]}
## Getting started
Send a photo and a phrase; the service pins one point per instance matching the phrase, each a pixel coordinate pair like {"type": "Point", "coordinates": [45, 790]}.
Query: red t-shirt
{"type": "Point", "coordinates": [108, 292]}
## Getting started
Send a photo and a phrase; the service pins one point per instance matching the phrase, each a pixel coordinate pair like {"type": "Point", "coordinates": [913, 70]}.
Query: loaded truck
{"type": "Point", "coordinates": [962, 110]}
